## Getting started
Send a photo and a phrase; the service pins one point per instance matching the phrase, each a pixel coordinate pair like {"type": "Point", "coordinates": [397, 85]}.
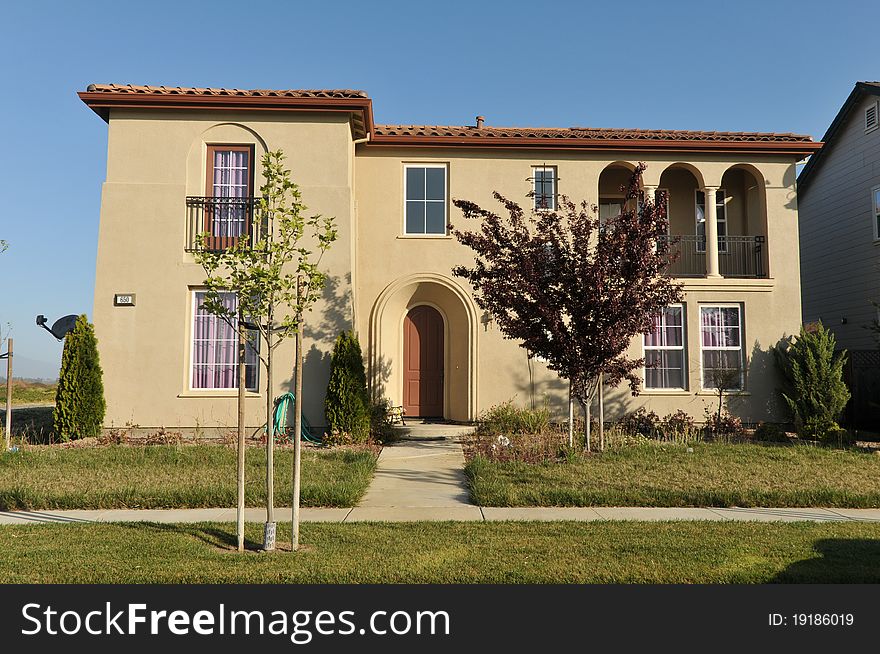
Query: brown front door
{"type": "Point", "coordinates": [423, 363]}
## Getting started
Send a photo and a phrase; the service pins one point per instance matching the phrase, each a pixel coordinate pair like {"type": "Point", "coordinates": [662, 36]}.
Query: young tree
{"type": "Point", "coordinates": [274, 272]}
{"type": "Point", "coordinates": [347, 403]}
{"type": "Point", "coordinates": [570, 289]}
{"type": "Point", "coordinates": [813, 388]}
{"type": "Point", "coordinates": [79, 399]}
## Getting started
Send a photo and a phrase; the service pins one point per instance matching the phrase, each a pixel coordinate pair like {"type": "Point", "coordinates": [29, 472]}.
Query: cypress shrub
{"type": "Point", "coordinates": [347, 403]}
{"type": "Point", "coordinates": [814, 389]}
{"type": "Point", "coordinates": [79, 400]}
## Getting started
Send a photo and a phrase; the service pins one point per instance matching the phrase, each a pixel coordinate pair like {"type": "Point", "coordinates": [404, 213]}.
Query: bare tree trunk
{"type": "Point", "coordinates": [570, 417]}
{"type": "Point", "coordinates": [242, 382]}
{"type": "Point", "coordinates": [297, 424]}
{"type": "Point", "coordinates": [269, 527]}
{"type": "Point", "coordinates": [601, 412]}
{"type": "Point", "coordinates": [588, 426]}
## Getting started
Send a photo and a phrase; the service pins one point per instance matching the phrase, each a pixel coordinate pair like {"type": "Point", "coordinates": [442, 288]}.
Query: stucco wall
{"type": "Point", "coordinates": [154, 161]}
{"type": "Point", "coordinates": [771, 306]}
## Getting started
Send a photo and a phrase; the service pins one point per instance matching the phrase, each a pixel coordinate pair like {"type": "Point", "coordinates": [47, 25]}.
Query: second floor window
{"type": "Point", "coordinates": [230, 186]}
{"type": "Point", "coordinates": [544, 181]}
{"type": "Point", "coordinates": [425, 204]}
{"type": "Point", "coordinates": [701, 220]}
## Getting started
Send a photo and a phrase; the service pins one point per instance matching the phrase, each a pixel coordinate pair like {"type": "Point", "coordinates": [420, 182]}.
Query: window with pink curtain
{"type": "Point", "coordinates": [721, 342]}
{"type": "Point", "coordinates": [664, 350]}
{"type": "Point", "coordinates": [231, 179]}
{"type": "Point", "coordinates": [215, 348]}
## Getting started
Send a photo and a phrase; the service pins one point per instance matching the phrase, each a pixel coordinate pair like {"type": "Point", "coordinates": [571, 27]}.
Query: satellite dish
{"type": "Point", "coordinates": [61, 327]}
{"type": "Point", "coordinates": [64, 325]}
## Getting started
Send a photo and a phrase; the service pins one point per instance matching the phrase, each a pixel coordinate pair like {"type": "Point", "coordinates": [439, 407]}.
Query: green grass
{"type": "Point", "coordinates": [165, 476]}
{"type": "Point", "coordinates": [715, 474]}
{"type": "Point", "coordinates": [452, 552]}
{"type": "Point", "coordinates": [28, 392]}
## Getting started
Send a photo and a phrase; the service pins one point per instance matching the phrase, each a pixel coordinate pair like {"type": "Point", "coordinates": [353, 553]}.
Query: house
{"type": "Point", "coordinates": [839, 201]}
{"type": "Point", "coordinates": [731, 201]}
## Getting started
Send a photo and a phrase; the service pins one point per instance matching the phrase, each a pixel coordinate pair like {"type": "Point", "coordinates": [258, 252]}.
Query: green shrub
{"type": "Point", "coordinates": [79, 400]}
{"type": "Point", "coordinates": [813, 389]}
{"type": "Point", "coordinates": [505, 418]}
{"type": "Point", "coordinates": [347, 403]}
{"type": "Point", "coordinates": [770, 432]}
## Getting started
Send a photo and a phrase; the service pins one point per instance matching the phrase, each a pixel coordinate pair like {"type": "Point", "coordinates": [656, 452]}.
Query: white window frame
{"type": "Point", "coordinates": [876, 107]}
{"type": "Point", "coordinates": [445, 201]}
{"type": "Point", "coordinates": [682, 348]}
{"type": "Point", "coordinates": [192, 336]}
{"type": "Point", "coordinates": [554, 192]}
{"type": "Point", "coordinates": [722, 244]}
{"type": "Point", "coordinates": [740, 349]}
{"type": "Point", "coordinates": [875, 212]}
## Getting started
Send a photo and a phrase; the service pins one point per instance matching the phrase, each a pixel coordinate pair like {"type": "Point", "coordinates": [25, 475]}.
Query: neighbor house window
{"type": "Point", "coordinates": [875, 195]}
{"type": "Point", "coordinates": [721, 345]}
{"type": "Point", "coordinates": [664, 350]}
{"type": "Point", "coordinates": [701, 220]}
{"type": "Point", "coordinates": [215, 348]}
{"type": "Point", "coordinates": [425, 193]}
{"type": "Point", "coordinates": [544, 187]}
{"type": "Point", "coordinates": [230, 183]}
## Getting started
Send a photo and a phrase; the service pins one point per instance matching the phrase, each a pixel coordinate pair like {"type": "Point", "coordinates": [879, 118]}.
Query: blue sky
{"type": "Point", "coordinates": [754, 66]}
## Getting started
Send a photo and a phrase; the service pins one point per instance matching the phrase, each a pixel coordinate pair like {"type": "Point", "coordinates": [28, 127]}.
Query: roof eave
{"type": "Point", "coordinates": [796, 148]}
{"type": "Point", "coordinates": [361, 109]}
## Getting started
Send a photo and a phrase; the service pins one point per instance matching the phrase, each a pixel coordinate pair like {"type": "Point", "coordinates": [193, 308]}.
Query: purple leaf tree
{"type": "Point", "coordinates": [570, 288]}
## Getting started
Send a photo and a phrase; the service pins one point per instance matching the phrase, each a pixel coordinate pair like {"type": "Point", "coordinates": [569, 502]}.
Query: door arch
{"type": "Point", "coordinates": [423, 362]}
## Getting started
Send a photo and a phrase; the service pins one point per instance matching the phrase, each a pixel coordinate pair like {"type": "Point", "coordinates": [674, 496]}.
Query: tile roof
{"type": "Point", "coordinates": [266, 93]}
{"type": "Point", "coordinates": [592, 133]}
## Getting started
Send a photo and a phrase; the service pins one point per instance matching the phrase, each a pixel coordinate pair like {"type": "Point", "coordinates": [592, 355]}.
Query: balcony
{"type": "Point", "coordinates": [738, 256]}
{"type": "Point", "coordinates": [225, 220]}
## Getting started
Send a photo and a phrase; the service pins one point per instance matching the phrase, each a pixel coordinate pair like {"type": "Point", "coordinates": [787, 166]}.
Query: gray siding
{"type": "Point", "coordinates": [840, 262]}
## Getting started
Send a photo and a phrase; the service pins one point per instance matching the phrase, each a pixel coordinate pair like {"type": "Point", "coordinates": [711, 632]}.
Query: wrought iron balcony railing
{"type": "Point", "coordinates": [225, 221]}
{"type": "Point", "coordinates": [738, 256]}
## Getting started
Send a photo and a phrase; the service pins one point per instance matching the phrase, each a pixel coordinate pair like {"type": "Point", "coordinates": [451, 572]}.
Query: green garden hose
{"type": "Point", "coordinates": [282, 407]}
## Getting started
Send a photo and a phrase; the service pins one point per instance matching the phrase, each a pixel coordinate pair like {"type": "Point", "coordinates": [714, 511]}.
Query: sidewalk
{"type": "Point", "coordinates": [469, 513]}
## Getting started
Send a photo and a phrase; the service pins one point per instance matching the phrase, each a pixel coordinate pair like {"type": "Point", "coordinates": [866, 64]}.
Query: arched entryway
{"type": "Point", "coordinates": [423, 367]}
{"type": "Point", "coordinates": [408, 307]}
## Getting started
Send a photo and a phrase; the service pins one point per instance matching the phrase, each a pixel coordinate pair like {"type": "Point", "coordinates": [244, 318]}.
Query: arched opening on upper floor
{"type": "Point", "coordinates": [613, 182]}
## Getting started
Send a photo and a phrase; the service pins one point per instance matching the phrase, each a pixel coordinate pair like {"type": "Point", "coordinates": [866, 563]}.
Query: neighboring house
{"type": "Point", "coordinates": [839, 203]}
{"type": "Point", "coordinates": [173, 151]}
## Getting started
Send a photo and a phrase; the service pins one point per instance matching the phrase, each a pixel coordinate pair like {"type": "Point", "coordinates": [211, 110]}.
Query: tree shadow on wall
{"type": "Point", "coordinates": [761, 373]}
{"type": "Point", "coordinates": [335, 314]}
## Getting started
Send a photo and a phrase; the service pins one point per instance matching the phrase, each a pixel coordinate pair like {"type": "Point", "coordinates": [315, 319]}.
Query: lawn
{"type": "Point", "coordinates": [451, 552]}
{"type": "Point", "coordinates": [714, 474]}
{"type": "Point", "coordinates": [28, 392]}
{"type": "Point", "coordinates": [165, 476]}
